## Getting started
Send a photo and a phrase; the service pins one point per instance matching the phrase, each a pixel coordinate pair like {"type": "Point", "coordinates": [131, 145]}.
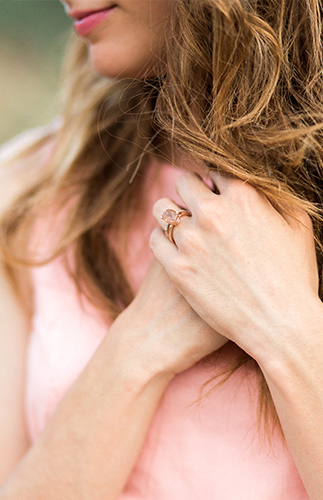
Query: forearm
{"type": "Point", "coordinates": [295, 379]}
{"type": "Point", "coordinates": [91, 443]}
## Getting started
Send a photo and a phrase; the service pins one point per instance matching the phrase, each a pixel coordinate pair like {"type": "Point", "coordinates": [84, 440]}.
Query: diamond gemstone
{"type": "Point", "coordinates": [170, 216]}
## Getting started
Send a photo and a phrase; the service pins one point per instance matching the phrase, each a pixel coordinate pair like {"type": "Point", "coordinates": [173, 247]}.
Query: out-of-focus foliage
{"type": "Point", "coordinates": [33, 35]}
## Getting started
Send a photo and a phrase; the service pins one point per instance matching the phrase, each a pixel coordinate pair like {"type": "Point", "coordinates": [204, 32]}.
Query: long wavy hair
{"type": "Point", "coordinates": [239, 88]}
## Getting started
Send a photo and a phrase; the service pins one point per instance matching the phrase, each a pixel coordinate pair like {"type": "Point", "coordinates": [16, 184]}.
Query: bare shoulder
{"type": "Point", "coordinates": [22, 159]}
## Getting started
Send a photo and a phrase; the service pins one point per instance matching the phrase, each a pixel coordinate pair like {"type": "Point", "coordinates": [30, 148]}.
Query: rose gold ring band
{"type": "Point", "coordinates": [172, 219]}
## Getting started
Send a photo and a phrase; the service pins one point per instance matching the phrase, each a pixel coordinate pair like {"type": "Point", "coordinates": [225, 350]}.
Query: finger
{"type": "Point", "coordinates": [192, 189]}
{"type": "Point", "coordinates": [163, 250]}
{"type": "Point", "coordinates": [160, 210]}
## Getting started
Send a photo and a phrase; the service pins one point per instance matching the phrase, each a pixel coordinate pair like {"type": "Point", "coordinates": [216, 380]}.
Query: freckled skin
{"type": "Point", "coordinates": [129, 42]}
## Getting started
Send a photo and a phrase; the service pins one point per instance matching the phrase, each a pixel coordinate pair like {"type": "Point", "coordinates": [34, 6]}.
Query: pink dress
{"type": "Point", "coordinates": [209, 450]}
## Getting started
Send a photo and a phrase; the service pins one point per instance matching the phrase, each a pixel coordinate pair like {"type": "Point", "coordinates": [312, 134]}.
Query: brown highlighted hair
{"type": "Point", "coordinates": [240, 89]}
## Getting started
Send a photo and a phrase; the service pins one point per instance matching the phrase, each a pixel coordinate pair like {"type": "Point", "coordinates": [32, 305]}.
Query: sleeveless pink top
{"type": "Point", "coordinates": [194, 450]}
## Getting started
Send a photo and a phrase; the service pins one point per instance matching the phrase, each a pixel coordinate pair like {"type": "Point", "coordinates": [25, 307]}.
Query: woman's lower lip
{"type": "Point", "coordinates": [85, 25]}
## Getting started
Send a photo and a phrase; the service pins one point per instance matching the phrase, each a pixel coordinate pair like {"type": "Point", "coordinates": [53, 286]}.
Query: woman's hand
{"type": "Point", "coordinates": [247, 270]}
{"type": "Point", "coordinates": [161, 329]}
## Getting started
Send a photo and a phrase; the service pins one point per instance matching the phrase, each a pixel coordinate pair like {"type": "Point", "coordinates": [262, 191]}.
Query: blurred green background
{"type": "Point", "coordinates": [33, 36]}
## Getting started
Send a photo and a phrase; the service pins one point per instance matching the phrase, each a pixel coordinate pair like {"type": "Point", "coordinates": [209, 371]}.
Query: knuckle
{"type": "Point", "coordinates": [179, 270]}
{"type": "Point", "coordinates": [235, 183]}
{"type": "Point", "coordinates": [245, 190]}
{"type": "Point", "coordinates": [246, 196]}
{"type": "Point", "coordinates": [305, 223]}
{"type": "Point", "coordinates": [205, 210]}
{"type": "Point", "coordinates": [304, 218]}
{"type": "Point", "coordinates": [211, 218]}
{"type": "Point", "coordinates": [187, 239]}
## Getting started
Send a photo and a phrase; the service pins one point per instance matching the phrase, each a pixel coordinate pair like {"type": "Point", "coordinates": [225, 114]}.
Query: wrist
{"type": "Point", "coordinates": [135, 359]}
{"type": "Point", "coordinates": [293, 342]}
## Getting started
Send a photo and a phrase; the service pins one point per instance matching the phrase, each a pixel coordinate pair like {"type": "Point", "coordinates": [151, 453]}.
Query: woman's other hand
{"type": "Point", "coordinates": [247, 270]}
{"type": "Point", "coordinates": [161, 329]}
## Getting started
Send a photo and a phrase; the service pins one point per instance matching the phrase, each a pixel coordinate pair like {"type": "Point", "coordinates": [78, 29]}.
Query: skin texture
{"type": "Point", "coordinates": [234, 245]}
{"type": "Point", "coordinates": [265, 262]}
{"type": "Point", "coordinates": [129, 42]}
{"type": "Point", "coordinates": [250, 272]}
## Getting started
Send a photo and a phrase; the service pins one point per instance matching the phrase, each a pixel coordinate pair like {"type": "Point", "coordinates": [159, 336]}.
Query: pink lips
{"type": "Point", "coordinates": [85, 22]}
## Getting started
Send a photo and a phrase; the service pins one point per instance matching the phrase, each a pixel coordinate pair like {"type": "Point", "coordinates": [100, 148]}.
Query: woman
{"type": "Point", "coordinates": [145, 397]}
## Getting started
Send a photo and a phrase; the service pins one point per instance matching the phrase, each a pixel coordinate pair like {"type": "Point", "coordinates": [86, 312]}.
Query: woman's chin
{"type": "Point", "coordinates": [117, 65]}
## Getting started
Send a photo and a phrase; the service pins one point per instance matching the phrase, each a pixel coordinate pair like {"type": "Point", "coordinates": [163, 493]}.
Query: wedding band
{"type": "Point", "coordinates": [172, 219]}
{"type": "Point", "coordinates": [166, 231]}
